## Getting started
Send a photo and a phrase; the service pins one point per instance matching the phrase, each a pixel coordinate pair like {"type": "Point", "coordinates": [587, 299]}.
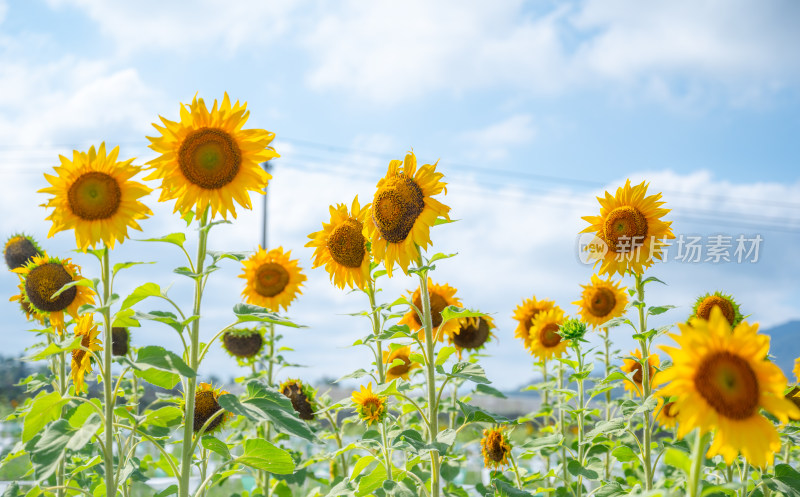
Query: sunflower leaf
{"type": "Point", "coordinates": [359, 373]}
{"type": "Point", "coordinates": [81, 282]}
{"type": "Point", "coordinates": [505, 489]}
{"type": "Point", "coordinates": [656, 310]}
{"type": "Point", "coordinates": [476, 414]}
{"type": "Point", "coordinates": [216, 445]}
{"type": "Point", "coordinates": [125, 265]}
{"type": "Point", "coordinates": [45, 408]}
{"type": "Point", "coordinates": [466, 371]}
{"type": "Point", "coordinates": [262, 455]}
{"type": "Point", "coordinates": [454, 312]}
{"type": "Point", "coordinates": [140, 293]}
{"type": "Point", "coordinates": [248, 312]}
{"type": "Point", "coordinates": [69, 343]}
{"type": "Point", "coordinates": [162, 359]}
{"type": "Point", "coordinates": [440, 256]}
{"type": "Point", "coordinates": [444, 354]}
{"type": "Point", "coordinates": [489, 390]}
{"type": "Point", "coordinates": [786, 480]}
{"type": "Point", "coordinates": [174, 238]}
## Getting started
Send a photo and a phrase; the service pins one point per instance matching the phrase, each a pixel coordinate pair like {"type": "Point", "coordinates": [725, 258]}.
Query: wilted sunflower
{"type": "Point", "coordinates": [721, 379]}
{"type": "Point", "coordinates": [630, 225]}
{"type": "Point", "coordinates": [81, 359]}
{"type": "Point", "coordinates": [273, 280]}
{"type": "Point", "coordinates": [42, 277]}
{"type": "Point", "coordinates": [94, 195]}
{"type": "Point", "coordinates": [301, 396]}
{"type": "Point", "coordinates": [472, 333]}
{"type": "Point", "coordinates": [370, 407]}
{"type": "Point", "coordinates": [403, 212]}
{"type": "Point", "coordinates": [524, 314]}
{"type": "Point", "coordinates": [342, 247]}
{"type": "Point", "coordinates": [634, 366]}
{"type": "Point", "coordinates": [205, 406]}
{"type": "Point", "coordinates": [601, 301]}
{"type": "Point", "coordinates": [399, 370]}
{"type": "Point", "coordinates": [728, 306]}
{"type": "Point", "coordinates": [441, 296]}
{"type": "Point", "coordinates": [495, 448]}
{"type": "Point", "coordinates": [20, 249]}
{"type": "Point", "coordinates": [546, 343]}
{"type": "Point", "coordinates": [208, 159]}
{"type": "Point", "coordinates": [244, 344]}
{"type": "Point", "coordinates": [667, 413]}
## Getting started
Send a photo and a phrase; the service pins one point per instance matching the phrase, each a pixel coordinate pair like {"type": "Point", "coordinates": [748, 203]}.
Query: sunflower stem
{"type": "Point", "coordinates": [516, 469]}
{"type": "Point", "coordinates": [62, 386]}
{"type": "Point", "coordinates": [696, 470]}
{"type": "Point", "coordinates": [109, 401]}
{"type": "Point", "coordinates": [562, 426]}
{"type": "Point", "coordinates": [454, 413]}
{"type": "Point", "coordinates": [386, 456]}
{"type": "Point", "coordinates": [266, 476]}
{"type": "Point", "coordinates": [607, 361]}
{"type": "Point", "coordinates": [338, 438]}
{"type": "Point", "coordinates": [646, 388]}
{"type": "Point", "coordinates": [581, 404]}
{"type": "Point", "coordinates": [376, 329]}
{"type": "Point", "coordinates": [194, 363]}
{"type": "Point", "coordinates": [433, 409]}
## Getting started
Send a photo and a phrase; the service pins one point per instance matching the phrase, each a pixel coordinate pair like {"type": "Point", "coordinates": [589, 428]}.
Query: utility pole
{"type": "Point", "coordinates": [267, 168]}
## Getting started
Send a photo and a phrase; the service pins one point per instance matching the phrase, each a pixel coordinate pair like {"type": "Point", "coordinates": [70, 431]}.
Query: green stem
{"type": "Point", "coordinates": [386, 454]}
{"type": "Point", "coordinates": [454, 413]}
{"type": "Point", "coordinates": [562, 426]}
{"type": "Point", "coordinates": [433, 409]}
{"type": "Point", "coordinates": [581, 405]}
{"type": "Point", "coordinates": [61, 471]}
{"type": "Point", "coordinates": [266, 478]}
{"type": "Point", "coordinates": [646, 388]}
{"type": "Point", "coordinates": [516, 469]}
{"type": "Point", "coordinates": [696, 470]}
{"type": "Point", "coordinates": [607, 360]}
{"type": "Point", "coordinates": [376, 330]}
{"type": "Point", "coordinates": [109, 400]}
{"type": "Point", "coordinates": [194, 363]}
{"type": "Point", "coordinates": [339, 443]}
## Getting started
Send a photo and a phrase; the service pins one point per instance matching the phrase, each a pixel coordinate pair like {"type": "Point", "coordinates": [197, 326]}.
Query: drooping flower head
{"type": "Point", "coordinates": [120, 341]}
{"type": "Point", "coordinates": [403, 212]}
{"type": "Point", "coordinates": [371, 407]}
{"type": "Point", "coordinates": [94, 195]}
{"type": "Point", "coordinates": [472, 333]}
{"type": "Point", "coordinates": [42, 277]}
{"type": "Point", "coordinates": [206, 405]}
{"type": "Point", "coordinates": [404, 364]}
{"type": "Point", "coordinates": [301, 396]}
{"type": "Point", "coordinates": [601, 301]}
{"type": "Point", "coordinates": [630, 223]}
{"type": "Point", "coordinates": [20, 249]}
{"type": "Point", "coordinates": [244, 344]}
{"type": "Point", "coordinates": [273, 279]}
{"type": "Point", "coordinates": [342, 247]}
{"type": "Point", "coordinates": [495, 448]}
{"type": "Point", "coordinates": [207, 159]}
{"type": "Point", "coordinates": [633, 365]}
{"type": "Point", "coordinates": [441, 296]}
{"type": "Point", "coordinates": [546, 342]}
{"type": "Point", "coordinates": [82, 359]}
{"type": "Point", "coordinates": [726, 303]}
{"type": "Point", "coordinates": [721, 380]}
{"type": "Point", "coordinates": [524, 315]}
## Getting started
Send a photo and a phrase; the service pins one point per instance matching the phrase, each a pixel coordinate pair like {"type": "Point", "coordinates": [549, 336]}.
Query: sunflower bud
{"type": "Point", "coordinates": [573, 329]}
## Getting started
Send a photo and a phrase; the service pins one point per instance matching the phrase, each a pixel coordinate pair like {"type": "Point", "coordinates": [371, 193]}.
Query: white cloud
{"type": "Point", "coordinates": [493, 141]}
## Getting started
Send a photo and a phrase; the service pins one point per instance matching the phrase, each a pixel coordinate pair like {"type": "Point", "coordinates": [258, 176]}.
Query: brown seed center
{"type": "Point", "coordinates": [728, 384]}
{"type": "Point", "coordinates": [549, 335]}
{"type": "Point", "coordinates": [346, 244]}
{"type": "Point", "coordinates": [242, 345]}
{"type": "Point", "coordinates": [210, 158]}
{"type": "Point", "coordinates": [471, 336]}
{"type": "Point", "coordinates": [45, 280]}
{"type": "Point", "coordinates": [94, 196]}
{"type": "Point", "coordinates": [119, 341]}
{"type": "Point", "coordinates": [18, 251]}
{"type": "Point", "coordinates": [271, 279]}
{"type": "Point", "coordinates": [397, 204]}
{"type": "Point", "coordinates": [205, 406]}
{"type": "Point", "coordinates": [438, 304]}
{"type": "Point", "coordinates": [625, 229]}
{"type": "Point", "coordinates": [400, 369]}
{"type": "Point", "coordinates": [708, 303]}
{"type": "Point", "coordinates": [602, 302]}
{"type": "Point", "coordinates": [79, 354]}
{"type": "Point", "coordinates": [495, 446]}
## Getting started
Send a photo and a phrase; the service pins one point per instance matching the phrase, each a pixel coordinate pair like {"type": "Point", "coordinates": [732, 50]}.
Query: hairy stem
{"type": "Point", "coordinates": [433, 408]}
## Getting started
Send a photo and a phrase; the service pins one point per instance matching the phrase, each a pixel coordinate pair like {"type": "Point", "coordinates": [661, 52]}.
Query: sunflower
{"type": "Point", "coordinates": [244, 344]}
{"type": "Point", "coordinates": [634, 365]}
{"type": "Point", "coordinates": [495, 448]}
{"type": "Point", "coordinates": [721, 380]}
{"type": "Point", "coordinates": [342, 247]}
{"type": "Point", "coordinates": [403, 211]}
{"type": "Point", "coordinates": [207, 159]}
{"type": "Point", "coordinates": [206, 405]}
{"type": "Point", "coordinates": [94, 195]}
{"type": "Point", "coordinates": [441, 296]}
{"type": "Point", "coordinates": [472, 333]}
{"type": "Point", "coordinates": [370, 407]}
{"type": "Point", "coordinates": [120, 341]}
{"type": "Point", "coordinates": [667, 413]}
{"type": "Point", "coordinates": [601, 301]}
{"type": "Point", "coordinates": [301, 397]}
{"type": "Point", "coordinates": [630, 225]}
{"type": "Point", "coordinates": [726, 303]}
{"type": "Point", "coordinates": [545, 340]}
{"type": "Point", "coordinates": [273, 280]}
{"type": "Point", "coordinates": [42, 277]}
{"type": "Point", "coordinates": [524, 314]}
{"type": "Point", "coordinates": [82, 359]}
{"type": "Point", "coordinates": [19, 249]}
{"type": "Point", "coordinates": [399, 370]}
{"type": "Point", "coordinates": [794, 396]}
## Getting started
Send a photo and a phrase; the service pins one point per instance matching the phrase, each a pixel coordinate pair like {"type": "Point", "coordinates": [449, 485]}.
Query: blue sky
{"type": "Point", "coordinates": [532, 108]}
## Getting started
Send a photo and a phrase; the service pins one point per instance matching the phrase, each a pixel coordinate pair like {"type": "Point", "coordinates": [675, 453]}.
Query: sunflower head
{"type": "Point", "coordinates": [630, 223]}
{"type": "Point", "coordinates": [20, 248]}
{"type": "Point", "coordinates": [207, 159]}
{"type": "Point", "coordinates": [472, 333]}
{"type": "Point", "coordinates": [120, 341]}
{"type": "Point", "coordinates": [403, 365]}
{"type": "Point", "coordinates": [371, 407]}
{"type": "Point", "coordinates": [633, 365]}
{"type": "Point", "coordinates": [440, 297]}
{"type": "Point", "coordinates": [42, 277]}
{"type": "Point", "coordinates": [546, 341]}
{"type": "Point", "coordinates": [273, 280]}
{"type": "Point", "coordinates": [403, 212]}
{"type": "Point", "coordinates": [206, 405]}
{"type": "Point", "coordinates": [82, 358]}
{"type": "Point", "coordinates": [301, 396]}
{"type": "Point", "coordinates": [726, 303]}
{"type": "Point", "coordinates": [495, 447]}
{"type": "Point", "coordinates": [667, 413]}
{"type": "Point", "coordinates": [601, 301]}
{"type": "Point", "coordinates": [721, 380]}
{"type": "Point", "coordinates": [93, 194]}
{"type": "Point", "coordinates": [342, 247]}
{"type": "Point", "coordinates": [524, 315]}
{"type": "Point", "coordinates": [244, 344]}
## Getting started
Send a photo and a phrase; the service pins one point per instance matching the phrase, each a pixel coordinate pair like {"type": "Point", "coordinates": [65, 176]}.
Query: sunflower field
{"type": "Point", "coordinates": [710, 415]}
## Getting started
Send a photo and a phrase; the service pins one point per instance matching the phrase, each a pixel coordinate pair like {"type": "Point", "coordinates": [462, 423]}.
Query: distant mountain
{"type": "Point", "coordinates": [785, 346]}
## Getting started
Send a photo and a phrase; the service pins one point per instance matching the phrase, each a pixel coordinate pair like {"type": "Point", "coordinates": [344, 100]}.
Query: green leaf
{"type": "Point", "coordinates": [476, 414]}
{"type": "Point", "coordinates": [268, 404]}
{"type": "Point", "coordinates": [656, 310]}
{"type": "Point", "coordinates": [467, 371]}
{"type": "Point", "coordinates": [359, 373]}
{"type": "Point", "coordinates": [610, 489]}
{"type": "Point", "coordinates": [262, 455]}
{"type": "Point", "coordinates": [678, 459]}
{"type": "Point", "coordinates": [81, 282]}
{"type": "Point", "coordinates": [167, 318]}
{"type": "Point", "coordinates": [442, 220]}
{"type": "Point", "coordinates": [124, 318]}
{"type": "Point", "coordinates": [47, 451]}
{"type": "Point", "coordinates": [440, 256]}
{"type": "Point", "coordinates": [612, 427]}
{"type": "Point", "coordinates": [216, 445]}
{"type": "Point", "coordinates": [444, 354]}
{"type": "Point", "coordinates": [575, 468]}
{"type": "Point", "coordinates": [489, 390]}
{"type": "Point", "coordinates": [125, 265]}
{"type": "Point", "coordinates": [170, 490]}
{"type": "Point", "coordinates": [786, 480]}
{"type": "Point", "coordinates": [371, 482]}
{"type": "Point", "coordinates": [164, 360]}
{"type": "Point", "coordinates": [651, 279]}
{"type": "Point", "coordinates": [166, 416]}
{"type": "Point", "coordinates": [45, 408]}
{"type": "Point", "coordinates": [623, 453]}
{"type": "Point", "coordinates": [174, 238]}
{"type": "Point", "coordinates": [85, 432]}
{"type": "Point", "coordinates": [506, 490]}
{"type": "Point", "coordinates": [158, 378]}
{"type": "Point", "coordinates": [361, 465]}
{"type": "Point", "coordinates": [454, 312]}
{"type": "Point", "coordinates": [539, 443]}
{"type": "Point", "coordinates": [141, 293]}
{"type": "Point", "coordinates": [248, 312]}
{"type": "Point", "coordinates": [69, 343]}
